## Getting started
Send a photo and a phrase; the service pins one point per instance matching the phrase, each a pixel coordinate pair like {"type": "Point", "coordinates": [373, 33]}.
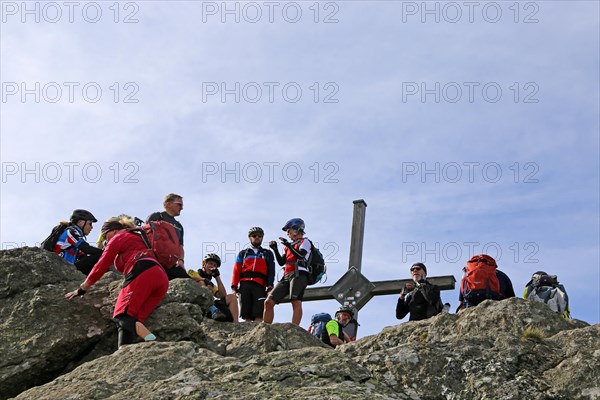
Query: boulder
{"type": "Point", "coordinates": [59, 349]}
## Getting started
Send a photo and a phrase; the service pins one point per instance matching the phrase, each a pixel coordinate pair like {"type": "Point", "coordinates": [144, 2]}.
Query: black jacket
{"type": "Point", "coordinates": [422, 302]}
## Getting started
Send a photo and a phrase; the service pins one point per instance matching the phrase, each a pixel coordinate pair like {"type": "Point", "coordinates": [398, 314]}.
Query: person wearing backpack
{"type": "Point", "coordinates": [546, 289]}
{"type": "Point", "coordinates": [71, 243]}
{"type": "Point", "coordinates": [225, 307]}
{"type": "Point", "coordinates": [333, 335]}
{"type": "Point", "coordinates": [483, 281]}
{"type": "Point", "coordinates": [173, 205]}
{"type": "Point", "coordinates": [253, 276]}
{"type": "Point", "coordinates": [295, 274]}
{"type": "Point", "coordinates": [145, 282]}
{"type": "Point", "coordinates": [422, 299]}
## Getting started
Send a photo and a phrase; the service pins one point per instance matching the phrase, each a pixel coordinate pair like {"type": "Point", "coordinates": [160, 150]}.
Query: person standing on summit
{"type": "Point", "coordinates": [173, 205]}
{"type": "Point", "coordinates": [295, 274]}
{"type": "Point", "coordinates": [421, 299]}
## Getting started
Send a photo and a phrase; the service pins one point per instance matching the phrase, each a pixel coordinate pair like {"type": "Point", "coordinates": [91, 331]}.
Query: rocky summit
{"type": "Point", "coordinates": [55, 349]}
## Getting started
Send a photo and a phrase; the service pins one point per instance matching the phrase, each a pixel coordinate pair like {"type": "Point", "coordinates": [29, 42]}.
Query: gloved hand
{"type": "Point", "coordinates": [77, 292]}
{"type": "Point", "coordinates": [235, 289]}
{"type": "Point", "coordinates": [215, 272]}
{"type": "Point", "coordinates": [284, 242]}
{"type": "Point", "coordinates": [273, 244]}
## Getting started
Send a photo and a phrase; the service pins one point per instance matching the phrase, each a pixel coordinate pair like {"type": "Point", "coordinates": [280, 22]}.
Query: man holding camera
{"type": "Point", "coordinates": [421, 299]}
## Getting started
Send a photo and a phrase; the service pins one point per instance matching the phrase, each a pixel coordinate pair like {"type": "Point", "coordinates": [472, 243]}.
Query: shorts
{"type": "Point", "coordinates": [252, 299]}
{"type": "Point", "coordinates": [290, 285]}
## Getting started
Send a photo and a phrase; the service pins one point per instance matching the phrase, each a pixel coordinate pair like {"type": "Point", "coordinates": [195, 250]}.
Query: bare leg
{"type": "Point", "coordinates": [296, 312]}
{"type": "Point", "coordinates": [269, 314]}
{"type": "Point", "coordinates": [141, 330]}
{"type": "Point", "coordinates": [232, 303]}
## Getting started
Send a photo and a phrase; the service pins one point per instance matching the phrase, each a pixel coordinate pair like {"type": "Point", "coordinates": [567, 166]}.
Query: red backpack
{"type": "Point", "coordinates": [480, 281]}
{"type": "Point", "coordinates": [162, 242]}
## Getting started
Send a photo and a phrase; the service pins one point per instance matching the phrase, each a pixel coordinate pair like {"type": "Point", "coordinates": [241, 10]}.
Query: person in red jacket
{"type": "Point", "coordinates": [145, 284]}
{"type": "Point", "coordinates": [253, 276]}
{"type": "Point", "coordinates": [295, 274]}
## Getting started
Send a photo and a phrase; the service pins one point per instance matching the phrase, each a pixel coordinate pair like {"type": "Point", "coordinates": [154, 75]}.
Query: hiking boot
{"type": "Point", "coordinates": [219, 316]}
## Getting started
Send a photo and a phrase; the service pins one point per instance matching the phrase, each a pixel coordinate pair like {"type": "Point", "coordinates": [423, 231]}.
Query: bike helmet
{"type": "Point", "coordinates": [256, 229]}
{"type": "Point", "coordinates": [294, 223]}
{"type": "Point", "coordinates": [212, 257]}
{"type": "Point", "coordinates": [82, 215]}
{"type": "Point", "coordinates": [345, 309]}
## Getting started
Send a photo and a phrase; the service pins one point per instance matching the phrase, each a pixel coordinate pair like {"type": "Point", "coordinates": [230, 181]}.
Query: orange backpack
{"type": "Point", "coordinates": [480, 281]}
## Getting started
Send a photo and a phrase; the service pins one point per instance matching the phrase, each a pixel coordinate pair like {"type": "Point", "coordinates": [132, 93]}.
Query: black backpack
{"type": "Point", "coordinates": [50, 242]}
{"type": "Point", "coordinates": [316, 265]}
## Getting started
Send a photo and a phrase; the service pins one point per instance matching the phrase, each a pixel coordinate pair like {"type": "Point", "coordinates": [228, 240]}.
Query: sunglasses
{"type": "Point", "coordinates": [415, 269]}
{"type": "Point", "coordinates": [256, 235]}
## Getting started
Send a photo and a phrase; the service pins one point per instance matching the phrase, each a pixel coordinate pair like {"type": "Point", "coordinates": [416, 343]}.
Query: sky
{"type": "Point", "coordinates": [467, 128]}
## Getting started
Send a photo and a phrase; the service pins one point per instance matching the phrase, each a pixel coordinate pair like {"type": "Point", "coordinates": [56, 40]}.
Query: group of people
{"type": "Point", "coordinates": [253, 285]}
{"type": "Point", "coordinates": [421, 299]}
{"type": "Point", "coordinates": [146, 280]}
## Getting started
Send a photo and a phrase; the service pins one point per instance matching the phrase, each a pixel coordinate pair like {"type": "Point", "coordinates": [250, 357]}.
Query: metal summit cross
{"type": "Point", "coordinates": [353, 288]}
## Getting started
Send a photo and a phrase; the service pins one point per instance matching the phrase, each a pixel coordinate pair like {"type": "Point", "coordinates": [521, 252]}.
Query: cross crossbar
{"type": "Point", "coordinates": [395, 286]}
{"type": "Point", "coordinates": [353, 289]}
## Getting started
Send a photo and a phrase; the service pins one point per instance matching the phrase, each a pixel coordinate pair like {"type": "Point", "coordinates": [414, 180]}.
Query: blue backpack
{"type": "Point", "coordinates": [317, 324]}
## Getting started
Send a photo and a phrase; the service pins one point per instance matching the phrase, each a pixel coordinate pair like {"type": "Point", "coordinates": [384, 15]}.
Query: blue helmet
{"type": "Point", "coordinates": [294, 223]}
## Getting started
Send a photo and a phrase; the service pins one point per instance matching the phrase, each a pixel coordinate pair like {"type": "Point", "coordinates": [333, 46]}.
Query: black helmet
{"type": "Point", "coordinates": [256, 229]}
{"type": "Point", "coordinates": [294, 223]}
{"type": "Point", "coordinates": [212, 257]}
{"type": "Point", "coordinates": [345, 309]}
{"type": "Point", "coordinates": [82, 215]}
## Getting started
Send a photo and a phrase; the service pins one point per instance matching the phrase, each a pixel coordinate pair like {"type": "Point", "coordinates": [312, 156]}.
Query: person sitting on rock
{"type": "Point", "coordinates": [145, 283]}
{"type": "Point", "coordinates": [225, 307]}
{"type": "Point", "coordinates": [505, 286]}
{"type": "Point", "coordinates": [421, 299]}
{"type": "Point", "coordinates": [72, 245]}
{"type": "Point", "coordinates": [333, 334]}
{"type": "Point", "coordinates": [546, 289]}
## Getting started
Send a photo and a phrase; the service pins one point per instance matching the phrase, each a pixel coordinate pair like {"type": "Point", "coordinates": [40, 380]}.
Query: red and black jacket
{"type": "Point", "coordinates": [256, 265]}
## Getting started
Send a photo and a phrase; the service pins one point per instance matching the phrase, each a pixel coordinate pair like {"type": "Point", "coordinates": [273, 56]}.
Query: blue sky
{"type": "Point", "coordinates": [474, 132]}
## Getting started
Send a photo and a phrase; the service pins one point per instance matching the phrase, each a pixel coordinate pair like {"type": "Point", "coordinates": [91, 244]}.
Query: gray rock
{"type": "Point", "coordinates": [184, 370]}
{"type": "Point", "coordinates": [44, 335]}
{"type": "Point", "coordinates": [482, 353]}
{"type": "Point", "coordinates": [69, 349]}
